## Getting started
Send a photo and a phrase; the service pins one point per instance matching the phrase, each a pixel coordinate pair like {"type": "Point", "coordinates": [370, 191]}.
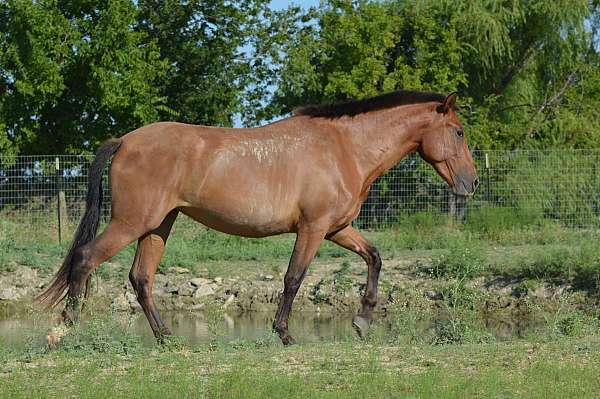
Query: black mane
{"type": "Point", "coordinates": [355, 107]}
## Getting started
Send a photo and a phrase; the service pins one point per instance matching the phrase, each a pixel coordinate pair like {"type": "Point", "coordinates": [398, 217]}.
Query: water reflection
{"type": "Point", "coordinates": [198, 328]}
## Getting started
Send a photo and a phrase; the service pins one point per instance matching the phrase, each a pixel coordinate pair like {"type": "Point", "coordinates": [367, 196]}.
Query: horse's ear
{"type": "Point", "coordinates": [448, 103]}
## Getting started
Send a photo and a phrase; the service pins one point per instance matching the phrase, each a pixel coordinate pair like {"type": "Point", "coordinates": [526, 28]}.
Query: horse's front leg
{"type": "Point", "coordinates": [307, 244]}
{"type": "Point", "coordinates": [352, 240]}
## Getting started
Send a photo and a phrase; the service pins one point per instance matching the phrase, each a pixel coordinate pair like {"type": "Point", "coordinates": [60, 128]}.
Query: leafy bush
{"type": "Point", "coordinates": [491, 221]}
{"type": "Point", "coordinates": [461, 260]}
{"type": "Point", "coordinates": [102, 333]}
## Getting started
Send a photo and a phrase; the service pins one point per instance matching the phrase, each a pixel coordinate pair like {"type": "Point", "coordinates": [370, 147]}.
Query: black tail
{"type": "Point", "coordinates": [88, 226]}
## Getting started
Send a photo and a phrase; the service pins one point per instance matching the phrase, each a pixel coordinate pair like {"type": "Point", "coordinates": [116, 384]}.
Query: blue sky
{"type": "Point", "coordinates": [280, 4]}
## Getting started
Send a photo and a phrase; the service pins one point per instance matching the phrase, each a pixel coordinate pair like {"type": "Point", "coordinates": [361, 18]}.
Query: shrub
{"type": "Point", "coordinates": [492, 221]}
{"type": "Point", "coordinates": [460, 260]}
{"type": "Point", "coordinates": [102, 333]}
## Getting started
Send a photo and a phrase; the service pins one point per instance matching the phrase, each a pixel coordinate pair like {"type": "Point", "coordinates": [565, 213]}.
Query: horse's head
{"type": "Point", "coordinates": [444, 145]}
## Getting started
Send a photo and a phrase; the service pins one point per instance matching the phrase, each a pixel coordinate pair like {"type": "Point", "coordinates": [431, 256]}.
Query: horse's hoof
{"type": "Point", "coordinates": [361, 325]}
{"type": "Point", "coordinates": [287, 340]}
{"type": "Point", "coordinates": [69, 318]}
{"type": "Point", "coordinates": [162, 335]}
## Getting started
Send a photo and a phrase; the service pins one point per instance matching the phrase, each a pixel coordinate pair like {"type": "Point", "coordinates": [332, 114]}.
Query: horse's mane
{"type": "Point", "coordinates": [355, 107]}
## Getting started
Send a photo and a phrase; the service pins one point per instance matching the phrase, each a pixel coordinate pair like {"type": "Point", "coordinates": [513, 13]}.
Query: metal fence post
{"type": "Point", "coordinates": [487, 177]}
{"type": "Point", "coordinates": [58, 201]}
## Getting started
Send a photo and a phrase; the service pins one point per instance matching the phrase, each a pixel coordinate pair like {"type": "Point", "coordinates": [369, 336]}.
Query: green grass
{"type": "Point", "coordinates": [559, 369]}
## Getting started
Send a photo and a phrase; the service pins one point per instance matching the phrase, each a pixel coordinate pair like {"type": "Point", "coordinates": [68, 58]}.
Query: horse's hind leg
{"type": "Point", "coordinates": [89, 256]}
{"type": "Point", "coordinates": [352, 240]}
{"type": "Point", "coordinates": [147, 257]}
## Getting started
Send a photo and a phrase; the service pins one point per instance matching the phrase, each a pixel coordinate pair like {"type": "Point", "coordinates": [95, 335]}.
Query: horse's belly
{"type": "Point", "coordinates": [257, 222]}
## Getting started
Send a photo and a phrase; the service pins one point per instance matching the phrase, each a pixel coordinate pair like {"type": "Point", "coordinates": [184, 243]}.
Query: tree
{"type": "Point", "coordinates": [202, 42]}
{"type": "Point", "coordinates": [360, 49]}
{"type": "Point", "coordinates": [73, 73]}
{"type": "Point", "coordinates": [518, 66]}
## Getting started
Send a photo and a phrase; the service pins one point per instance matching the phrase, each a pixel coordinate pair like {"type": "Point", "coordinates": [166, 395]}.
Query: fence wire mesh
{"type": "Point", "coordinates": [563, 186]}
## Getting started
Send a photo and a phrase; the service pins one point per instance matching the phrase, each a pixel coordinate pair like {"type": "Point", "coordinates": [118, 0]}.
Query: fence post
{"type": "Point", "coordinates": [451, 202]}
{"type": "Point", "coordinates": [58, 200]}
{"type": "Point", "coordinates": [487, 177]}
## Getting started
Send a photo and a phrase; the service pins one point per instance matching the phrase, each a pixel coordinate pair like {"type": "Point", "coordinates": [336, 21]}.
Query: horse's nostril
{"type": "Point", "coordinates": [475, 184]}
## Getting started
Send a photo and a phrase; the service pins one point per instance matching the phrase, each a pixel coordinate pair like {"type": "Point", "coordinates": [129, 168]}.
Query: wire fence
{"type": "Point", "coordinates": [563, 186]}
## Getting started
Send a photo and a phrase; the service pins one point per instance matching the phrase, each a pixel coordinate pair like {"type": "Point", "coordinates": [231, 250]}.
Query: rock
{"type": "Point", "coordinates": [202, 272]}
{"type": "Point", "coordinates": [178, 270]}
{"type": "Point", "coordinates": [161, 291]}
{"type": "Point", "coordinates": [268, 277]}
{"type": "Point", "coordinates": [170, 288]}
{"type": "Point", "coordinates": [120, 303]}
{"type": "Point", "coordinates": [9, 294]}
{"type": "Point", "coordinates": [133, 302]}
{"type": "Point", "coordinates": [218, 280]}
{"type": "Point", "coordinates": [186, 289]}
{"type": "Point", "coordinates": [26, 277]}
{"type": "Point", "coordinates": [198, 306]}
{"type": "Point", "coordinates": [434, 296]}
{"type": "Point", "coordinates": [199, 281]}
{"type": "Point", "coordinates": [229, 301]}
{"type": "Point", "coordinates": [131, 298]}
{"type": "Point", "coordinates": [205, 290]}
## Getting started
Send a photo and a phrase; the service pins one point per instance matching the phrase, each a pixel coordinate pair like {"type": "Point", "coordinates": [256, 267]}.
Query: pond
{"type": "Point", "coordinates": [17, 330]}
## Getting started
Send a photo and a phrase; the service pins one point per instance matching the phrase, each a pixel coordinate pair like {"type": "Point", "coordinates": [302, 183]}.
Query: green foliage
{"type": "Point", "coordinates": [342, 282]}
{"type": "Point", "coordinates": [461, 260]}
{"type": "Point", "coordinates": [492, 221]}
{"type": "Point", "coordinates": [528, 71]}
{"type": "Point", "coordinates": [101, 333]}
{"type": "Point", "coordinates": [73, 74]}
{"type": "Point", "coordinates": [360, 49]}
{"type": "Point", "coordinates": [459, 330]}
{"type": "Point", "coordinates": [214, 65]}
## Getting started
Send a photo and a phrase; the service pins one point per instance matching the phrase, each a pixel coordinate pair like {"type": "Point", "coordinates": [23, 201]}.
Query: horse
{"type": "Point", "coordinates": [306, 174]}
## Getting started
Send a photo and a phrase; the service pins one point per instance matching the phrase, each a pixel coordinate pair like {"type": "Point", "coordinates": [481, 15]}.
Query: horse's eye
{"type": "Point", "coordinates": [460, 133]}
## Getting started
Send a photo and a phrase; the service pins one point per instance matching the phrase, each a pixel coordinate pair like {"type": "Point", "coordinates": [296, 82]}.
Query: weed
{"type": "Point", "coordinates": [409, 313]}
{"type": "Point", "coordinates": [101, 333]}
{"type": "Point", "coordinates": [461, 260]}
{"type": "Point", "coordinates": [342, 282]}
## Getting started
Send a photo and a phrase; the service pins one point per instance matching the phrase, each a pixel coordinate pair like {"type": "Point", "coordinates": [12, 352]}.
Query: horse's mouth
{"type": "Point", "coordinates": [463, 191]}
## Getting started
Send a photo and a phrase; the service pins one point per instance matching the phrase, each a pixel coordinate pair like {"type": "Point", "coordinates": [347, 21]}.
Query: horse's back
{"type": "Point", "coordinates": [241, 181]}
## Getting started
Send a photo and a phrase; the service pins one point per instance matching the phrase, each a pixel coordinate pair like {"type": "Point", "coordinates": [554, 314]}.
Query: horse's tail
{"type": "Point", "coordinates": [88, 226]}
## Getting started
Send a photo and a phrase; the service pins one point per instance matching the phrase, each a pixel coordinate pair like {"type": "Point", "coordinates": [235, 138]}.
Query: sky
{"type": "Point", "coordinates": [281, 4]}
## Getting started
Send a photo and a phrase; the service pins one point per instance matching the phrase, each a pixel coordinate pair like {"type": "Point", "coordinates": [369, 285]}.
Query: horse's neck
{"type": "Point", "coordinates": [382, 138]}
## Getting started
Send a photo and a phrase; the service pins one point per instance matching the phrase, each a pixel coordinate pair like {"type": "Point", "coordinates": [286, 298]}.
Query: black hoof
{"type": "Point", "coordinates": [287, 339]}
{"type": "Point", "coordinates": [162, 335]}
{"type": "Point", "coordinates": [70, 317]}
{"type": "Point", "coordinates": [361, 325]}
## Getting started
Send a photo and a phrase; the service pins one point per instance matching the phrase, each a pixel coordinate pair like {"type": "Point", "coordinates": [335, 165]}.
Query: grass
{"type": "Point", "coordinates": [457, 358]}
{"type": "Point", "coordinates": [447, 352]}
{"type": "Point", "coordinates": [560, 368]}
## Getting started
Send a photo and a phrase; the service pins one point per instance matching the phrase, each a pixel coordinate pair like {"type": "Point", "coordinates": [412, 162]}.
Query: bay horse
{"type": "Point", "coordinates": [307, 174]}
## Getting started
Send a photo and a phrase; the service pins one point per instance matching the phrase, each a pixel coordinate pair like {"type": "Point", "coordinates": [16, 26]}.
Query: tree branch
{"type": "Point", "coordinates": [555, 99]}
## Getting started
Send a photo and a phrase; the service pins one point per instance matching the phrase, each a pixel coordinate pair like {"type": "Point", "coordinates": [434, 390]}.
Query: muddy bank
{"type": "Point", "coordinates": [330, 287]}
